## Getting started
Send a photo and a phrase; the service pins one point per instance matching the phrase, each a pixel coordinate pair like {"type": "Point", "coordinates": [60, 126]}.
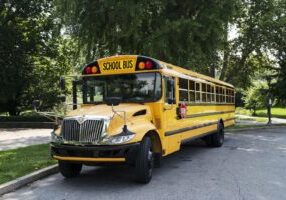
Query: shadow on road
{"type": "Point", "coordinates": [120, 176]}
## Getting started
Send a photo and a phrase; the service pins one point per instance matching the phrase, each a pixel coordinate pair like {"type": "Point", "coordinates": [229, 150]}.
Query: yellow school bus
{"type": "Point", "coordinates": [136, 110]}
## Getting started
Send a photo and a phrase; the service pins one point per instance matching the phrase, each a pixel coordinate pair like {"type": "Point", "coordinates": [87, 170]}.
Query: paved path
{"type": "Point", "coordinates": [245, 120]}
{"type": "Point", "coordinates": [15, 138]}
{"type": "Point", "coordinates": [250, 166]}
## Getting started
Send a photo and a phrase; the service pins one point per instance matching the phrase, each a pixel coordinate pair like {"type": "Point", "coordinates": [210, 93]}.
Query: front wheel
{"type": "Point", "coordinates": [69, 170]}
{"type": "Point", "coordinates": [144, 161]}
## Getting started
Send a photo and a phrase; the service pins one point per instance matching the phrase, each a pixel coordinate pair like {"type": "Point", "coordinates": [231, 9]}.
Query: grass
{"type": "Point", "coordinates": [278, 112]}
{"type": "Point", "coordinates": [19, 162]}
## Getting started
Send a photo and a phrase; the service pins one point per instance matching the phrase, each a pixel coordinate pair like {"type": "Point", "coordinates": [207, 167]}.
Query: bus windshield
{"type": "Point", "coordinates": [141, 87]}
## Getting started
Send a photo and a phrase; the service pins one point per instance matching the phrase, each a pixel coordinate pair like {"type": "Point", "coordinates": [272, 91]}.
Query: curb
{"type": "Point", "coordinates": [24, 180]}
{"type": "Point", "coordinates": [256, 127]}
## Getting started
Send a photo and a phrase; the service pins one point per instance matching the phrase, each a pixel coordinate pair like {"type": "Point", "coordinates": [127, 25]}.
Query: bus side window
{"type": "Point", "coordinates": [170, 91]}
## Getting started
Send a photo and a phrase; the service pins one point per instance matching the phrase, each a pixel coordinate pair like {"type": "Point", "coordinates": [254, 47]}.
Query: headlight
{"type": "Point", "coordinates": [118, 139]}
{"type": "Point", "coordinates": [55, 137]}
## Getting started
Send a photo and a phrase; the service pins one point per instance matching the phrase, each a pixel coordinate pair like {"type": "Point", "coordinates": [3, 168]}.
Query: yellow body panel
{"type": "Point", "coordinates": [160, 118]}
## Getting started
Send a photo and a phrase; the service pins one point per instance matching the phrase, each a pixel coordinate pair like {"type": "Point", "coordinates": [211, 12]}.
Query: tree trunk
{"type": "Point", "coordinates": [12, 108]}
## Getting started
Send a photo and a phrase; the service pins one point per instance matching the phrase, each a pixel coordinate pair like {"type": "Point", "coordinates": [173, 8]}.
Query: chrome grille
{"type": "Point", "coordinates": [89, 131]}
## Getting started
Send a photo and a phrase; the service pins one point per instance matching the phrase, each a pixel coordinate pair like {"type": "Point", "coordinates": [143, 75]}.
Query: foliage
{"type": "Point", "coordinates": [261, 27]}
{"type": "Point", "coordinates": [187, 33]}
{"type": "Point", "coordinates": [254, 96]}
{"type": "Point", "coordinates": [32, 54]}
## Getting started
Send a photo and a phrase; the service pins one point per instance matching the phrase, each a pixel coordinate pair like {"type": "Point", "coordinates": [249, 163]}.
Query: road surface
{"type": "Point", "coordinates": [251, 165]}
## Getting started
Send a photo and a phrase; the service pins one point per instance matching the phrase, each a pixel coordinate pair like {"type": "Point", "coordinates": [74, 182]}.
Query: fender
{"type": "Point", "coordinates": [141, 129]}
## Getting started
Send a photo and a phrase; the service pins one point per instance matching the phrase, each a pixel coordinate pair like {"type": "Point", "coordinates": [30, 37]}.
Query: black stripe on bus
{"type": "Point", "coordinates": [173, 132]}
{"type": "Point", "coordinates": [209, 113]}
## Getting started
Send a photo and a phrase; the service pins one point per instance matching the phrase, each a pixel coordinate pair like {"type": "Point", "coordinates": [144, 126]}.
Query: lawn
{"type": "Point", "coordinates": [276, 112]}
{"type": "Point", "coordinates": [19, 162]}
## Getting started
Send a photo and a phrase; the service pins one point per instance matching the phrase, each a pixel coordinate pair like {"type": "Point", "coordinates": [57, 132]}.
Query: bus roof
{"type": "Point", "coordinates": [187, 72]}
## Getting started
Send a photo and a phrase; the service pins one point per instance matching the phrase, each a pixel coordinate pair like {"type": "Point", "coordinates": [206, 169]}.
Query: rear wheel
{"type": "Point", "coordinates": [216, 139]}
{"type": "Point", "coordinates": [69, 170]}
{"type": "Point", "coordinates": [144, 161]}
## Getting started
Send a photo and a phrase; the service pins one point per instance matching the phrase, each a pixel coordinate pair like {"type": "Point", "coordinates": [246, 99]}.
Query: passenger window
{"type": "Point", "coordinates": [198, 92]}
{"type": "Point", "coordinates": [183, 90]}
{"type": "Point", "coordinates": [192, 91]}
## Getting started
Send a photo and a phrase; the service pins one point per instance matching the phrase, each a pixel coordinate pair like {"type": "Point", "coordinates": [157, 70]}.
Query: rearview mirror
{"type": "Point", "coordinates": [113, 101]}
{"type": "Point", "coordinates": [62, 83]}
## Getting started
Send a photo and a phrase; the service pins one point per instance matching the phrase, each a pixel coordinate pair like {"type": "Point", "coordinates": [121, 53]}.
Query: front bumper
{"type": "Point", "coordinates": [98, 153]}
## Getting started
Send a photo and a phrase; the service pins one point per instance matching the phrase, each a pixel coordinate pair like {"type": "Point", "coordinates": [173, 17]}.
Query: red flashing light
{"type": "Point", "coordinates": [88, 70]}
{"type": "Point", "coordinates": [149, 64]}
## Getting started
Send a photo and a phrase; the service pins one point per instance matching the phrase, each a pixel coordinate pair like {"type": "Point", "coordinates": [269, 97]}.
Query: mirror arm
{"type": "Point", "coordinates": [116, 112]}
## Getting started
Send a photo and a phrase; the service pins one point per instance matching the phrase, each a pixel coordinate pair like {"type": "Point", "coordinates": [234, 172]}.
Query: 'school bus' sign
{"type": "Point", "coordinates": [109, 66]}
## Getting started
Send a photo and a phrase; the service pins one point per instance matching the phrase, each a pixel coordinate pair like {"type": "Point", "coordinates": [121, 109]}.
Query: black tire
{"type": "Point", "coordinates": [69, 170]}
{"type": "Point", "coordinates": [216, 139]}
{"type": "Point", "coordinates": [157, 160]}
{"type": "Point", "coordinates": [144, 161]}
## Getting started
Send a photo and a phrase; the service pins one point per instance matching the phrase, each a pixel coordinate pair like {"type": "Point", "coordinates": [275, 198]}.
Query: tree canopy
{"type": "Point", "coordinates": [189, 33]}
{"type": "Point", "coordinates": [42, 40]}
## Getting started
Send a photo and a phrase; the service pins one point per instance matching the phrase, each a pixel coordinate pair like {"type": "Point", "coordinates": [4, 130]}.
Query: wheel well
{"type": "Point", "coordinates": [156, 142]}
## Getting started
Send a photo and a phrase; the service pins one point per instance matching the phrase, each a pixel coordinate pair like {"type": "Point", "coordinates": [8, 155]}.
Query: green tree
{"type": "Point", "coordinates": [31, 59]}
{"type": "Point", "coordinates": [254, 96]}
{"type": "Point", "coordinates": [261, 28]}
{"type": "Point", "coordinates": [188, 33]}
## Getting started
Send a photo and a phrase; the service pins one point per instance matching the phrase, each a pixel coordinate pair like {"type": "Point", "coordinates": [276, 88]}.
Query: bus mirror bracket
{"type": "Point", "coordinates": [115, 101]}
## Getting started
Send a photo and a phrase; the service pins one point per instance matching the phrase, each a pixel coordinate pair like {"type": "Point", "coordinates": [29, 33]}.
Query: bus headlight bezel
{"type": "Point", "coordinates": [118, 139]}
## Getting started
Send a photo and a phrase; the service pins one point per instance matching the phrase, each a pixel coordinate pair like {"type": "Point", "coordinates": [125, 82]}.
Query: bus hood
{"type": "Point", "coordinates": [105, 111]}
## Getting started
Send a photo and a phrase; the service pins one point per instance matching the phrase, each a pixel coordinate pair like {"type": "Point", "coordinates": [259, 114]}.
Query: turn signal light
{"type": "Point", "coordinates": [94, 70]}
{"type": "Point", "coordinates": [141, 65]}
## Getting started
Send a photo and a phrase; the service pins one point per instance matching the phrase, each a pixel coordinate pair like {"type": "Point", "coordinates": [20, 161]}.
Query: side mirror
{"type": "Point", "coordinates": [62, 83]}
{"type": "Point", "coordinates": [113, 101]}
{"type": "Point", "coordinates": [36, 104]}
{"type": "Point", "coordinates": [62, 98]}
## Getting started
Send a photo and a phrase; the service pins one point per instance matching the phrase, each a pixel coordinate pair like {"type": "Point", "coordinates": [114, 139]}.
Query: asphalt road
{"type": "Point", "coordinates": [250, 165]}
